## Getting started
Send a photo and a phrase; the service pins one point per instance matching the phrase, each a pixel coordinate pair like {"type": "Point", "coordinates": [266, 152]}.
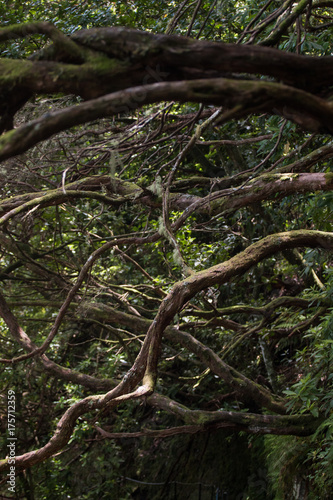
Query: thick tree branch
{"type": "Point", "coordinates": [174, 51]}
{"type": "Point", "coordinates": [69, 253]}
{"type": "Point", "coordinates": [179, 295]}
{"type": "Point", "coordinates": [262, 188]}
{"type": "Point", "coordinates": [299, 425]}
{"type": "Point", "coordinates": [311, 112]}
{"type": "Point", "coordinates": [184, 290]}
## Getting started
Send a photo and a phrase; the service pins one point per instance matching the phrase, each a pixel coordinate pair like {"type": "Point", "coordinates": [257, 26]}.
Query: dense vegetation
{"type": "Point", "coordinates": [166, 249]}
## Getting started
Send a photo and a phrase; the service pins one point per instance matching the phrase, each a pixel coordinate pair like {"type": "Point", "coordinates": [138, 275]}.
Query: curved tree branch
{"type": "Point", "coordinates": [299, 425]}
{"type": "Point", "coordinates": [311, 112]}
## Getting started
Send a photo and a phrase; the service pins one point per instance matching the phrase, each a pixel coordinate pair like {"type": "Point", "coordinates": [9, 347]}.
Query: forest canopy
{"type": "Point", "coordinates": [166, 241]}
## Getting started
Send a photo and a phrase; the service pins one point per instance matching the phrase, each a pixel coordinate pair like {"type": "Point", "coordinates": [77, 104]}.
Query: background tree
{"type": "Point", "coordinates": [166, 248]}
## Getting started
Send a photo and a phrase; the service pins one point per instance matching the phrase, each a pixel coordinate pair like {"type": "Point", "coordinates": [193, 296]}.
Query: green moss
{"type": "Point", "coordinates": [329, 178]}
{"type": "Point", "coordinates": [6, 139]}
{"type": "Point", "coordinates": [13, 71]}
